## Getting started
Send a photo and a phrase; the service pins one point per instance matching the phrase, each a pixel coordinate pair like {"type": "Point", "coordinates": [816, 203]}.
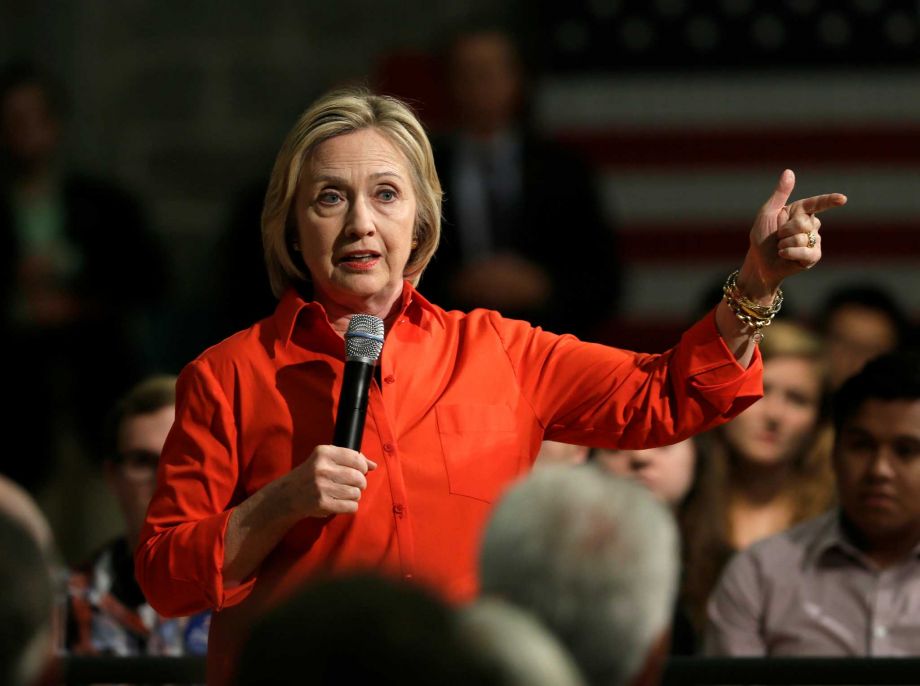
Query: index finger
{"type": "Point", "coordinates": [818, 203]}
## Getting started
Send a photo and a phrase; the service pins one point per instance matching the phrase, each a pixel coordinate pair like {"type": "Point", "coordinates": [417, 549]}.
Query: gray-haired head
{"type": "Point", "coordinates": [524, 651]}
{"type": "Point", "coordinates": [594, 557]}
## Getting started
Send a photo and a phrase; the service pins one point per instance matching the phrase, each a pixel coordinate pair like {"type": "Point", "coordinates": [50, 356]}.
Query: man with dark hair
{"type": "Point", "coordinates": [846, 583]}
{"type": "Point", "coordinates": [509, 196]}
{"type": "Point", "coordinates": [859, 323]}
{"type": "Point", "coordinates": [25, 607]}
{"type": "Point", "coordinates": [109, 614]}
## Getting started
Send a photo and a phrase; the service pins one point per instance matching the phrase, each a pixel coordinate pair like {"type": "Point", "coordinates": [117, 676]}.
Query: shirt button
{"type": "Point", "coordinates": [880, 631]}
{"type": "Point", "coordinates": [407, 577]}
{"type": "Point", "coordinates": [389, 379]}
{"type": "Point", "coordinates": [387, 447]}
{"type": "Point", "coordinates": [398, 510]}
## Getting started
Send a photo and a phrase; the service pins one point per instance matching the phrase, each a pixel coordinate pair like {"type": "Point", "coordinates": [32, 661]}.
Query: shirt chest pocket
{"type": "Point", "coordinates": [482, 449]}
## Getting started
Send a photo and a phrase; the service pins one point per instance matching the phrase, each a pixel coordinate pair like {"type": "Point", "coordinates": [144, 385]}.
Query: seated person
{"type": "Point", "coordinates": [556, 453]}
{"type": "Point", "coordinates": [108, 613]}
{"type": "Point", "coordinates": [668, 471]}
{"type": "Point", "coordinates": [363, 629]}
{"type": "Point", "coordinates": [763, 472]}
{"type": "Point", "coordinates": [26, 627]}
{"type": "Point", "coordinates": [860, 323]}
{"type": "Point", "coordinates": [846, 583]}
{"type": "Point", "coordinates": [594, 557]}
{"type": "Point", "coordinates": [522, 648]}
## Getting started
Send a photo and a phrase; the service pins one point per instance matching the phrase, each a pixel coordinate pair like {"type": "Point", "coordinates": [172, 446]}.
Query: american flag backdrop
{"type": "Point", "coordinates": [691, 110]}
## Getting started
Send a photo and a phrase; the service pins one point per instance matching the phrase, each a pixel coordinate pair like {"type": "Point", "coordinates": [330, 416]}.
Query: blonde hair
{"type": "Point", "coordinates": [336, 114]}
{"type": "Point", "coordinates": [704, 517]}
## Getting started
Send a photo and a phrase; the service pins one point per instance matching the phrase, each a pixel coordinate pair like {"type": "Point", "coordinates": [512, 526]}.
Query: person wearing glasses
{"type": "Point", "coordinates": [109, 614]}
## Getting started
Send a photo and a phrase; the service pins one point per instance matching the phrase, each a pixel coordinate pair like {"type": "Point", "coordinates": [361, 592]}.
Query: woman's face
{"type": "Point", "coordinates": [667, 471]}
{"type": "Point", "coordinates": [356, 210]}
{"type": "Point", "coordinates": [776, 428]}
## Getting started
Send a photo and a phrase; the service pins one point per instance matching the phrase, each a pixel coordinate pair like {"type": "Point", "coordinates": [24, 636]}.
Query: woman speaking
{"type": "Point", "coordinates": [251, 496]}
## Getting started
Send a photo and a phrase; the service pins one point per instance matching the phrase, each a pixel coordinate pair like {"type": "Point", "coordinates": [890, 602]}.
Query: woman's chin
{"type": "Point", "coordinates": [362, 288]}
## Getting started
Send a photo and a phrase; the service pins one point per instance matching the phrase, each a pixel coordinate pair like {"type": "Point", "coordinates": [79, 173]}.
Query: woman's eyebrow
{"type": "Point", "coordinates": [338, 180]}
{"type": "Point", "coordinates": [329, 178]}
{"type": "Point", "coordinates": [377, 175]}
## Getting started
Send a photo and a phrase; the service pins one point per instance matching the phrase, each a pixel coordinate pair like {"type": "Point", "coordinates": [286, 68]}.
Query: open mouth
{"type": "Point", "coordinates": [359, 257]}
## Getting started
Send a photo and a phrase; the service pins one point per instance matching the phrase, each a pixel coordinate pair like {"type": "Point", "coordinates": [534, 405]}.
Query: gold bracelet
{"type": "Point", "coordinates": [753, 316]}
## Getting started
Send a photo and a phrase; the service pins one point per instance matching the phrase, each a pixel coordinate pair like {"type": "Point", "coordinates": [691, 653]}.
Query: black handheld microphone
{"type": "Point", "coordinates": [363, 344]}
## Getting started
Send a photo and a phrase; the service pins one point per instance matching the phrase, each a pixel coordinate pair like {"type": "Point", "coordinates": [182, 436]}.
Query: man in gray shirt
{"type": "Point", "coordinates": [846, 583]}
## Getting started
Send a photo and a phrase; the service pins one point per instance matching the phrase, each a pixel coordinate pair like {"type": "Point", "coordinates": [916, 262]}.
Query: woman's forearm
{"type": "Point", "coordinates": [256, 526]}
{"type": "Point", "coordinates": [329, 482]}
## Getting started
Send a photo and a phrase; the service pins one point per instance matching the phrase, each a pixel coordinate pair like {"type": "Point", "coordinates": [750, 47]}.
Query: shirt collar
{"type": "Point", "coordinates": [832, 535]}
{"type": "Point", "coordinates": [292, 307]}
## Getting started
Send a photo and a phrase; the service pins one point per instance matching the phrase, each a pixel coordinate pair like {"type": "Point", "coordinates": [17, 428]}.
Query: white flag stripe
{"type": "Point", "coordinates": [688, 197]}
{"type": "Point", "coordinates": [745, 101]}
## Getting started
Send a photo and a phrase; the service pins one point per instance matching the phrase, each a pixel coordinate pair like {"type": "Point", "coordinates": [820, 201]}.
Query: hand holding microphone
{"type": "Point", "coordinates": [333, 477]}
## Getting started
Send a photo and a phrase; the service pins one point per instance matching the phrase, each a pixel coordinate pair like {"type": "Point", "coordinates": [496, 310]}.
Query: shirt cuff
{"type": "Point", "coordinates": [704, 359]}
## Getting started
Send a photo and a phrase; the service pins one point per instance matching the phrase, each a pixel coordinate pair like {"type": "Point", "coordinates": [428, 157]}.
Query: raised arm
{"type": "Point", "coordinates": [784, 240]}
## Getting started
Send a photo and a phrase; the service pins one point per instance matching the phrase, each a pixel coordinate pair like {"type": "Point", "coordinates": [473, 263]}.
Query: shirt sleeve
{"type": "Point", "coordinates": [597, 395]}
{"type": "Point", "coordinates": [734, 612]}
{"type": "Point", "coordinates": [179, 560]}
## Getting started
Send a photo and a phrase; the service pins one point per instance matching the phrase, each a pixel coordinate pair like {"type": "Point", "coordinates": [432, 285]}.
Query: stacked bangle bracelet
{"type": "Point", "coordinates": [755, 317]}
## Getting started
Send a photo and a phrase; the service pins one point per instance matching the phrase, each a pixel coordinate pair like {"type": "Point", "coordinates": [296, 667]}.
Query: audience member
{"type": "Point", "coordinates": [18, 504]}
{"type": "Point", "coordinates": [595, 558]}
{"type": "Point", "coordinates": [859, 323]}
{"type": "Point", "coordinates": [364, 630]}
{"type": "Point", "coordinates": [668, 472]}
{"type": "Point", "coordinates": [109, 614]}
{"type": "Point", "coordinates": [508, 196]}
{"type": "Point", "coordinates": [846, 583]}
{"type": "Point", "coordinates": [762, 472]}
{"type": "Point", "coordinates": [26, 635]}
{"type": "Point", "coordinates": [524, 651]}
{"type": "Point", "coordinates": [554, 452]}
{"type": "Point", "coordinates": [77, 264]}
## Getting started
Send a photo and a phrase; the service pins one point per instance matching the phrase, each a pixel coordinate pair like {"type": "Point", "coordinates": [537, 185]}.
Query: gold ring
{"type": "Point", "coordinates": [812, 239]}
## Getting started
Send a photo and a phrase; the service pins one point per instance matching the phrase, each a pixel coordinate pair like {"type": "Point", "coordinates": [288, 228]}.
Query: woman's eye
{"type": "Point", "coordinates": [387, 194]}
{"type": "Point", "coordinates": [329, 198]}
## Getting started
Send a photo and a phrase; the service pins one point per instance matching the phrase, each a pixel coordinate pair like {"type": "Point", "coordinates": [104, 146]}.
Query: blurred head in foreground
{"type": "Point", "coordinates": [26, 636]}
{"type": "Point", "coordinates": [595, 558]}
{"type": "Point", "coordinates": [360, 629]}
{"type": "Point", "coordinates": [521, 647]}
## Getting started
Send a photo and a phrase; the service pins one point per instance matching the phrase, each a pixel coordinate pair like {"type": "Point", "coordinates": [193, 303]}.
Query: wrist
{"type": "Point", "coordinates": [755, 286]}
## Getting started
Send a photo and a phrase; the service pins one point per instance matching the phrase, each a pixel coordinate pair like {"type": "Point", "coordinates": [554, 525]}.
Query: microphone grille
{"type": "Point", "coordinates": [364, 338]}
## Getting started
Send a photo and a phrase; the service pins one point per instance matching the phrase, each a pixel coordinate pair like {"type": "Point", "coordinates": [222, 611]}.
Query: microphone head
{"type": "Point", "coordinates": [364, 339]}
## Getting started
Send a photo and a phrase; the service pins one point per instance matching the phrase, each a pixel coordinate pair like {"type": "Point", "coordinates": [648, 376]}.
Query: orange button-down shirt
{"type": "Point", "coordinates": [463, 404]}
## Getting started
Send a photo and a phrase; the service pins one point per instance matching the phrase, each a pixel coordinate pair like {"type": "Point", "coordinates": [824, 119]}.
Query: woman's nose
{"type": "Point", "coordinates": [360, 220]}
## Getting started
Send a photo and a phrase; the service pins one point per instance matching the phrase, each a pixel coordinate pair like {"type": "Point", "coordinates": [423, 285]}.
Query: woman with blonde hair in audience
{"type": "Point", "coordinates": [765, 470]}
